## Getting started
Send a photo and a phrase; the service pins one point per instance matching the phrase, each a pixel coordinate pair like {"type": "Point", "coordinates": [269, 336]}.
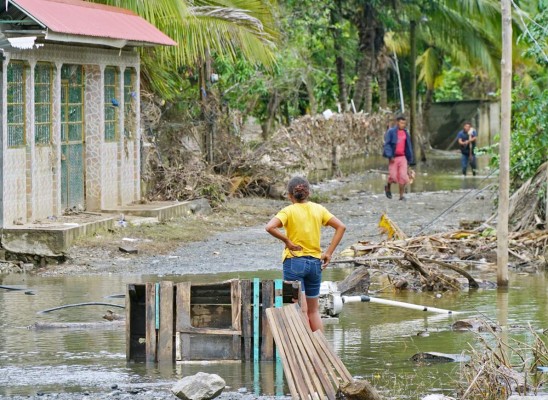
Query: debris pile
{"type": "Point", "coordinates": [528, 203]}
{"type": "Point", "coordinates": [185, 159]}
{"type": "Point", "coordinates": [443, 261]}
{"type": "Point", "coordinates": [310, 143]}
{"type": "Point", "coordinates": [501, 367]}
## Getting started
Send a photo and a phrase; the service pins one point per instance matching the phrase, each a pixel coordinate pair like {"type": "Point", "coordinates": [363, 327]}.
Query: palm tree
{"type": "Point", "coordinates": [467, 32]}
{"type": "Point", "coordinates": [228, 29]}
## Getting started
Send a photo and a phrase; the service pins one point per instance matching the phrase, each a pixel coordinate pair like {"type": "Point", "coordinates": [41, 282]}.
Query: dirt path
{"type": "Point", "coordinates": [233, 238]}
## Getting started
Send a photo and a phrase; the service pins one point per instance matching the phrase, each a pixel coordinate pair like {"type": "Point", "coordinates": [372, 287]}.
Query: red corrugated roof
{"type": "Point", "coordinates": [76, 17]}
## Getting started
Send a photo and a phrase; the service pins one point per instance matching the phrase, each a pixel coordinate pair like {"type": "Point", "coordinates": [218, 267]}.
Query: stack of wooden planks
{"type": "Point", "coordinates": [311, 367]}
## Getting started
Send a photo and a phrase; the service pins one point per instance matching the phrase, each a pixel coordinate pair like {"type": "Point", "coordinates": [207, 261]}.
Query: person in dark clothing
{"type": "Point", "coordinates": [399, 151]}
{"type": "Point", "coordinates": [466, 139]}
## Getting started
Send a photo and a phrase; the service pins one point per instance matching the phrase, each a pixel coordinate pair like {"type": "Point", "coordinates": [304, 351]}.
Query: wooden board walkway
{"type": "Point", "coordinates": [311, 367]}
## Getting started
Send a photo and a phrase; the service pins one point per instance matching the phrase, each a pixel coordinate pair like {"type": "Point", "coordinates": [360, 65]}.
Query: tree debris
{"type": "Point", "coordinates": [416, 263]}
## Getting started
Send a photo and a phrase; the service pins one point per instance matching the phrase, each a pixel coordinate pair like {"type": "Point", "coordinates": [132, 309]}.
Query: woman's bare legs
{"type": "Point", "coordinates": [313, 312]}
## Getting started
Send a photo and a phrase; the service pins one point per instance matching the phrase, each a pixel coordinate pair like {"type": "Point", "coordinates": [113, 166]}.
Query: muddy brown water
{"type": "Point", "coordinates": [374, 341]}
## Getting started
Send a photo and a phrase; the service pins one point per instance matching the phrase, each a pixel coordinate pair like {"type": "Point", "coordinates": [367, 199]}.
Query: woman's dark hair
{"type": "Point", "coordinates": [299, 188]}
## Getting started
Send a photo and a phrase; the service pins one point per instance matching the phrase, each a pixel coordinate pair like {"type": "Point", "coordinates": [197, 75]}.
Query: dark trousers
{"type": "Point", "coordinates": [465, 159]}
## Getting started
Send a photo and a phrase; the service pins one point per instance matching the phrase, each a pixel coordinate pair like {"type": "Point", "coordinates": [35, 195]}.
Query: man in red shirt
{"type": "Point", "coordinates": [399, 151]}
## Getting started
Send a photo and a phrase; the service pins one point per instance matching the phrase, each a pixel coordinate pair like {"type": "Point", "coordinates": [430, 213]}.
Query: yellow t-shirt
{"type": "Point", "coordinates": [303, 223]}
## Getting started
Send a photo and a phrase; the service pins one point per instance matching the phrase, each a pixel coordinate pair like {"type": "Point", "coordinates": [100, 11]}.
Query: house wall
{"type": "Point", "coordinates": [43, 199]}
{"type": "Point", "coordinates": [15, 187]}
{"type": "Point", "coordinates": [32, 174]}
{"type": "Point", "coordinates": [446, 119]}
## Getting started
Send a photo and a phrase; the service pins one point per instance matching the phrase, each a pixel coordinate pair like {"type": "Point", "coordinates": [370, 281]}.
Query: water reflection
{"type": "Point", "coordinates": [440, 172]}
{"type": "Point", "coordinates": [374, 341]}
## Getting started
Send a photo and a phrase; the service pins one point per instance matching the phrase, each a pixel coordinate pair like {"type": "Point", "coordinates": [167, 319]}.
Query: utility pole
{"type": "Point", "coordinates": [413, 68]}
{"type": "Point", "coordinates": [504, 170]}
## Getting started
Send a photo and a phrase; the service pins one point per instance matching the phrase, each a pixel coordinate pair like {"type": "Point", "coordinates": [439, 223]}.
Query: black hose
{"type": "Point", "coordinates": [78, 305]}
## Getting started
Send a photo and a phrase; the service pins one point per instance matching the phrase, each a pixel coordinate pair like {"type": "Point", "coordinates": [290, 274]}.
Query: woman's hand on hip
{"type": "Point", "coordinates": [292, 246]}
{"type": "Point", "coordinates": [326, 258]}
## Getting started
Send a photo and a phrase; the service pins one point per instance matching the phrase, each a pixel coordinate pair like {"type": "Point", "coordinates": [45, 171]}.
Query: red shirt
{"type": "Point", "coordinates": [400, 145]}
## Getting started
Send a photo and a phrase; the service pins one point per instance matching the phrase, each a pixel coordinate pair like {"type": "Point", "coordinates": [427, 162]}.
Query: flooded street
{"type": "Point", "coordinates": [374, 341]}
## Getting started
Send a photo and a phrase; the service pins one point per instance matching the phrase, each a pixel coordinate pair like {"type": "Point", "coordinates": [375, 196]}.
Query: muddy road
{"type": "Point", "coordinates": [233, 238]}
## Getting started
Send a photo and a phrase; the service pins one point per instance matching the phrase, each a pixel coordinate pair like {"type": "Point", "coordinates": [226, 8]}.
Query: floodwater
{"type": "Point", "coordinates": [374, 341]}
{"type": "Point", "coordinates": [442, 171]}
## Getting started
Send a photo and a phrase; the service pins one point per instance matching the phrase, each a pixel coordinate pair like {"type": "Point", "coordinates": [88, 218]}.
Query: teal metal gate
{"type": "Point", "coordinates": [72, 137]}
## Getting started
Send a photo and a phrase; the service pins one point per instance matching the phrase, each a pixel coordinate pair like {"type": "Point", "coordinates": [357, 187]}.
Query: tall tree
{"type": "Point", "coordinates": [336, 14]}
{"type": "Point", "coordinates": [370, 44]}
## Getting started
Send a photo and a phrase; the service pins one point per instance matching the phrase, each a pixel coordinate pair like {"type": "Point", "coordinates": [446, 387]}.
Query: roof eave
{"type": "Point", "coordinates": [95, 41]}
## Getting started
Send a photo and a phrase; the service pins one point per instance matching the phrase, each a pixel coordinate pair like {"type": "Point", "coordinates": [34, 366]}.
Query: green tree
{"type": "Point", "coordinates": [228, 29]}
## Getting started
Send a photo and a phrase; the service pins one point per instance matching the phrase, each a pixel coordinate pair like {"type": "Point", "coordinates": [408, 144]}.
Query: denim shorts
{"type": "Point", "coordinates": [307, 270]}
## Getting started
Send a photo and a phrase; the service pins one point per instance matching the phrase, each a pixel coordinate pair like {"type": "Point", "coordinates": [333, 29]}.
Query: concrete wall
{"type": "Point", "coordinates": [446, 118]}
{"type": "Point", "coordinates": [31, 182]}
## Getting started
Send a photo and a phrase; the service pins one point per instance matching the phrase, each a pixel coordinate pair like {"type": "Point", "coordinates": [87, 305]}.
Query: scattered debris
{"type": "Point", "coordinates": [416, 263]}
{"type": "Point", "coordinates": [128, 250]}
{"type": "Point", "coordinates": [499, 368]}
{"type": "Point", "coordinates": [434, 357]}
{"type": "Point", "coordinates": [112, 316]}
{"type": "Point", "coordinates": [475, 325]}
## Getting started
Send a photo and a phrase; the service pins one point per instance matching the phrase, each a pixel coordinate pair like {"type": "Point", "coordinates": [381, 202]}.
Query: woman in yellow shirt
{"type": "Point", "coordinates": [302, 257]}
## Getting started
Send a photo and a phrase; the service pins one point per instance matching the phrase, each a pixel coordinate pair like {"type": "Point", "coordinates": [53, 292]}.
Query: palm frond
{"type": "Point", "coordinates": [430, 65]}
{"type": "Point", "coordinates": [239, 27]}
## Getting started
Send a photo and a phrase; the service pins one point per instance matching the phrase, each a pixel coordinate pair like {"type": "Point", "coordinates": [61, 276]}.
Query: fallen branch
{"type": "Point", "coordinates": [471, 281]}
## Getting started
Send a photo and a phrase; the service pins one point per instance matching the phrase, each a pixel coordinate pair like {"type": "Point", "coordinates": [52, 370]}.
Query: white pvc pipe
{"type": "Point", "coordinates": [359, 299]}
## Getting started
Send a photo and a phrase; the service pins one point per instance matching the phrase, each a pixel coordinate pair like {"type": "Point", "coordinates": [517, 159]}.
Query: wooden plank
{"type": "Point", "coordinates": [256, 309]}
{"type": "Point", "coordinates": [182, 321]}
{"type": "Point", "coordinates": [267, 342]}
{"type": "Point", "coordinates": [308, 360]}
{"type": "Point", "coordinates": [335, 360]}
{"type": "Point", "coordinates": [246, 317]}
{"type": "Point", "coordinates": [165, 335]}
{"type": "Point", "coordinates": [321, 352]}
{"type": "Point", "coordinates": [278, 293]}
{"type": "Point", "coordinates": [304, 384]}
{"type": "Point", "coordinates": [208, 331]}
{"type": "Point", "coordinates": [157, 303]}
{"type": "Point", "coordinates": [150, 300]}
{"type": "Point", "coordinates": [283, 355]}
{"type": "Point", "coordinates": [236, 301]}
{"type": "Point", "coordinates": [129, 321]}
{"type": "Point", "coordinates": [291, 357]}
{"type": "Point", "coordinates": [330, 353]}
{"type": "Point", "coordinates": [304, 332]}
{"type": "Point", "coordinates": [300, 345]}
{"type": "Point", "coordinates": [278, 302]}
